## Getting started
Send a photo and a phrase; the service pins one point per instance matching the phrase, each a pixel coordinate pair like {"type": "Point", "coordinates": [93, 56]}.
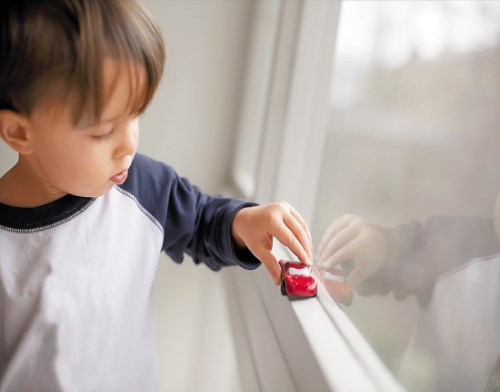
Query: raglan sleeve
{"type": "Point", "coordinates": [420, 252]}
{"type": "Point", "coordinates": [193, 222]}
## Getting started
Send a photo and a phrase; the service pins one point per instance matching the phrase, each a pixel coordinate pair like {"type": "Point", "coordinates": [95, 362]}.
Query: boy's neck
{"type": "Point", "coordinates": [19, 187]}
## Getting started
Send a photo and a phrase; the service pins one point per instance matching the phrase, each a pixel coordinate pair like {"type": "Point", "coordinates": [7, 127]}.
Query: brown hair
{"type": "Point", "coordinates": [56, 49]}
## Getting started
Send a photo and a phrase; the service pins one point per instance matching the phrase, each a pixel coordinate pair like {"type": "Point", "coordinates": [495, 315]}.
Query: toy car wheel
{"type": "Point", "coordinates": [283, 288]}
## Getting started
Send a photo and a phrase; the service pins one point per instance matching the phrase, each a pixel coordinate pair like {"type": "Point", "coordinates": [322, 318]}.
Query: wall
{"type": "Point", "coordinates": [7, 158]}
{"type": "Point", "coordinates": [192, 121]}
{"type": "Point", "coordinates": [191, 125]}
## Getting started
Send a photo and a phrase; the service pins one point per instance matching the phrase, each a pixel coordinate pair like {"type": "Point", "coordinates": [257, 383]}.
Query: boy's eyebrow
{"type": "Point", "coordinates": [113, 118]}
{"type": "Point", "coordinates": [85, 123]}
{"type": "Point", "coordinates": [120, 115]}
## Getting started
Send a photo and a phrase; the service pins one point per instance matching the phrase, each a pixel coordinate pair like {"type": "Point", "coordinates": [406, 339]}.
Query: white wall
{"type": "Point", "coordinates": [192, 122]}
{"type": "Point", "coordinates": [192, 125]}
{"type": "Point", "coordinates": [7, 158]}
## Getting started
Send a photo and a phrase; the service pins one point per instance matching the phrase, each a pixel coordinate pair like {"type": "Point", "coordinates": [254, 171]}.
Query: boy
{"type": "Point", "coordinates": [83, 218]}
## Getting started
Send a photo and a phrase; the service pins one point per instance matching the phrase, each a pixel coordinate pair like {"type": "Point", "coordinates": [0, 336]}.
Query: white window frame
{"type": "Point", "coordinates": [285, 345]}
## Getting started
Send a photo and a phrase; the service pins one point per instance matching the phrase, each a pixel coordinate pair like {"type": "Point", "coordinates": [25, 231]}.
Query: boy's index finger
{"type": "Point", "coordinates": [272, 266]}
{"type": "Point", "coordinates": [299, 232]}
{"type": "Point", "coordinates": [288, 238]}
{"type": "Point", "coordinates": [303, 223]}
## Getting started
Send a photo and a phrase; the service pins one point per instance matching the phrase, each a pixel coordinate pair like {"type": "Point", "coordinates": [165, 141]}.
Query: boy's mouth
{"type": "Point", "coordinates": [120, 178]}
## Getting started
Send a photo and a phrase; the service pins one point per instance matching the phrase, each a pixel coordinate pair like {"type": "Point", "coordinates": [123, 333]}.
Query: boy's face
{"type": "Point", "coordinates": [84, 159]}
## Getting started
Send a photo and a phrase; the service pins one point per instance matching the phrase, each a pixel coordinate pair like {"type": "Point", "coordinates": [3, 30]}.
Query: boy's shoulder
{"type": "Point", "coordinates": [157, 188]}
{"type": "Point", "coordinates": [147, 175]}
{"type": "Point", "coordinates": [144, 167]}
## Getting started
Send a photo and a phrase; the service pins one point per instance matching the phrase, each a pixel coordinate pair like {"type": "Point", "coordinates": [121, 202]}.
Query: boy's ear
{"type": "Point", "coordinates": [15, 130]}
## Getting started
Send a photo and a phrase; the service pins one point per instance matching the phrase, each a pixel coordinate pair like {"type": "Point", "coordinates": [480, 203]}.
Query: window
{"type": "Point", "coordinates": [413, 148]}
{"type": "Point", "coordinates": [282, 344]}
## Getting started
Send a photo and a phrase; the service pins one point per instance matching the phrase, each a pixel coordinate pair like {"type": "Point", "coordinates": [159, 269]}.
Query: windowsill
{"type": "Point", "coordinates": [307, 344]}
{"type": "Point", "coordinates": [346, 359]}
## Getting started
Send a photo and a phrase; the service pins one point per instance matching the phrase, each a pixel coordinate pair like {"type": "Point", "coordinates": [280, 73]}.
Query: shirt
{"type": "Point", "coordinates": [76, 278]}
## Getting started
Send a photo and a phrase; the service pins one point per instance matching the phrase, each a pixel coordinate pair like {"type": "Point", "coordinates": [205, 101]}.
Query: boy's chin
{"type": "Point", "coordinates": [94, 193]}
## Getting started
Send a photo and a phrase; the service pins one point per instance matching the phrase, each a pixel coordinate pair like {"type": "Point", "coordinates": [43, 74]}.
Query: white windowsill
{"type": "Point", "coordinates": [346, 359]}
{"type": "Point", "coordinates": [298, 344]}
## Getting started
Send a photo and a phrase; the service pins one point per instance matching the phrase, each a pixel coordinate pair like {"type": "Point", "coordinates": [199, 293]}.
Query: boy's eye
{"type": "Point", "coordinates": [104, 136]}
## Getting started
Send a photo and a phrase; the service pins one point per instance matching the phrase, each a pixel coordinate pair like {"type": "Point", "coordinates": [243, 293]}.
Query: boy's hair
{"type": "Point", "coordinates": [56, 48]}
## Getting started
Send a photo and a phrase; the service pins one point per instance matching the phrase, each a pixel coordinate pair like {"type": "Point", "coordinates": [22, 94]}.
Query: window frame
{"type": "Point", "coordinates": [284, 344]}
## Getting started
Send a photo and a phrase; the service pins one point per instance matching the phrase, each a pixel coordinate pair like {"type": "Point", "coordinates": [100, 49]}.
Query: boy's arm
{"type": "Point", "coordinates": [230, 231]}
{"type": "Point", "coordinates": [192, 222]}
{"type": "Point", "coordinates": [216, 231]}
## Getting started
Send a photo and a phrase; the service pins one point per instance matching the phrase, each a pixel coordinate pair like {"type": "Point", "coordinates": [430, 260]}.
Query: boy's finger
{"type": "Point", "coordinates": [300, 233]}
{"type": "Point", "coordinates": [271, 264]}
{"type": "Point", "coordinates": [284, 235]}
{"type": "Point", "coordinates": [303, 223]}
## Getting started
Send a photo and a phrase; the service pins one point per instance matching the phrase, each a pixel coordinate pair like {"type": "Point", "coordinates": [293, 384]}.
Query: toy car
{"type": "Point", "coordinates": [297, 279]}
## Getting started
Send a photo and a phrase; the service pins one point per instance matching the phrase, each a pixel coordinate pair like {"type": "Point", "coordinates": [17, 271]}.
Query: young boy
{"type": "Point", "coordinates": [83, 218]}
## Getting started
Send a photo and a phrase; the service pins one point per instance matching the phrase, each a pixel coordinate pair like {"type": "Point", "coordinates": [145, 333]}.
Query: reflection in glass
{"type": "Point", "coordinates": [412, 157]}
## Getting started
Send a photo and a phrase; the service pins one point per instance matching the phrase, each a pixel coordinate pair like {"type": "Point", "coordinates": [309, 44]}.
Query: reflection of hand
{"type": "Point", "coordinates": [351, 238]}
{"type": "Point", "coordinates": [334, 282]}
{"type": "Point", "coordinates": [255, 228]}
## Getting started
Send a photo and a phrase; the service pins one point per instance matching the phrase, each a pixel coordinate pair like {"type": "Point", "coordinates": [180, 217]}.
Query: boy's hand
{"type": "Point", "coordinates": [351, 238]}
{"type": "Point", "coordinates": [255, 228]}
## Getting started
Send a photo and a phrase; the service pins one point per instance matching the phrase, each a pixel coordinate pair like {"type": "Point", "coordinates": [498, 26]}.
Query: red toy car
{"type": "Point", "coordinates": [297, 279]}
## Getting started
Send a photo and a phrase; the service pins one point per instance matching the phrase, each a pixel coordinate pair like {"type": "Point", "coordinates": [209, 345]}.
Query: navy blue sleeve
{"type": "Point", "coordinates": [418, 253]}
{"type": "Point", "coordinates": [193, 222]}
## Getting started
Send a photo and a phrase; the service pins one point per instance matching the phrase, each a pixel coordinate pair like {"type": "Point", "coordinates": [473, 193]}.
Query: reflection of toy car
{"type": "Point", "coordinates": [297, 279]}
{"type": "Point", "coordinates": [334, 283]}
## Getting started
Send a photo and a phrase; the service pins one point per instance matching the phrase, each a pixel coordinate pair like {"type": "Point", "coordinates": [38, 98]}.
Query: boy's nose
{"type": "Point", "coordinates": [128, 142]}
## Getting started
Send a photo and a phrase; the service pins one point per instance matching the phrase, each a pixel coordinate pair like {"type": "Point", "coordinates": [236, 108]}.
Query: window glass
{"type": "Point", "coordinates": [412, 156]}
